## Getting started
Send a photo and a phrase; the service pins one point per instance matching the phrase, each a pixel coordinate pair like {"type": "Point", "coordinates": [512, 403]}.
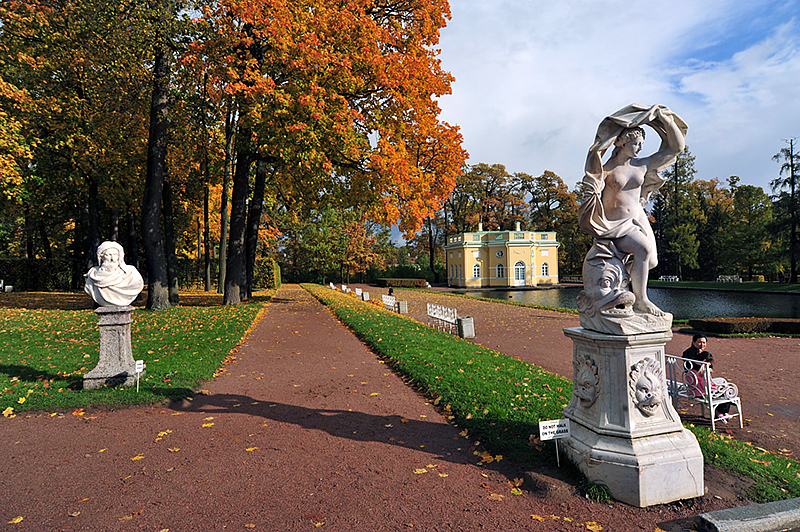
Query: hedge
{"type": "Point", "coordinates": [747, 325]}
{"type": "Point", "coordinates": [402, 283]}
{"type": "Point", "coordinates": [267, 274]}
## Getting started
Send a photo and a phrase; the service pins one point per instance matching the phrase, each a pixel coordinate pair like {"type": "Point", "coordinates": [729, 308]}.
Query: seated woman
{"type": "Point", "coordinates": [698, 352]}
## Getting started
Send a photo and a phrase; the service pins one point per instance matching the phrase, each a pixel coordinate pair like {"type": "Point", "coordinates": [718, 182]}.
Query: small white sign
{"type": "Point", "coordinates": [553, 429]}
{"type": "Point", "coordinates": [139, 366]}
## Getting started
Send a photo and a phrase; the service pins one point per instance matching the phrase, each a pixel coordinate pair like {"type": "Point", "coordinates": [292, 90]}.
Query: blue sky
{"type": "Point", "coordinates": [534, 78]}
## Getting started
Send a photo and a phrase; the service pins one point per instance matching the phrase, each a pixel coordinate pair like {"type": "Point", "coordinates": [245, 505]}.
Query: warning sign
{"type": "Point", "coordinates": [553, 429]}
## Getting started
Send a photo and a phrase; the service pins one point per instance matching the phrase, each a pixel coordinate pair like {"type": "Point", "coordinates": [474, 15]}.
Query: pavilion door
{"type": "Point", "coordinates": [519, 274]}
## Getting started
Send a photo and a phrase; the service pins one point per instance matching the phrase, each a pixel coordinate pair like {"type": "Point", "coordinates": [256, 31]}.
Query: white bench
{"type": "Point", "coordinates": [696, 385]}
{"type": "Point", "coordinates": [729, 279]}
{"type": "Point", "coordinates": [441, 317]}
{"type": "Point", "coordinates": [669, 278]}
{"type": "Point", "coordinates": [391, 303]}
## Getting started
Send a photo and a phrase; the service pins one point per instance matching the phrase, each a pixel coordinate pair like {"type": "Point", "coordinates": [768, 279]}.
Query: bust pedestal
{"type": "Point", "coordinates": [116, 366]}
{"type": "Point", "coordinates": [625, 433]}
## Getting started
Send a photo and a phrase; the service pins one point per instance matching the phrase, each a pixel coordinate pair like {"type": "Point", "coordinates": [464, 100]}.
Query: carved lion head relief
{"type": "Point", "coordinates": [587, 383]}
{"type": "Point", "coordinates": [647, 388]}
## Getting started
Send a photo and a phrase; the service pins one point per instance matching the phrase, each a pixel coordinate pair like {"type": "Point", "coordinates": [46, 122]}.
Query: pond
{"type": "Point", "coordinates": [682, 303]}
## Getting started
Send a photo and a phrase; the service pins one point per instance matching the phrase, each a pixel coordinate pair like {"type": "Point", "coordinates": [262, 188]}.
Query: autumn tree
{"type": "Point", "coordinates": [716, 205]}
{"type": "Point", "coordinates": [340, 97]}
{"type": "Point", "coordinates": [73, 78]}
{"type": "Point", "coordinates": [748, 242]}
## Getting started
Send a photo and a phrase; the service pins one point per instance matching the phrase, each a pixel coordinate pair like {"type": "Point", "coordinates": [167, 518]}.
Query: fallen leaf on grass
{"type": "Point", "coordinates": [496, 497]}
{"type": "Point", "coordinates": [16, 520]}
{"type": "Point", "coordinates": [251, 448]}
{"type": "Point", "coordinates": [174, 449]}
{"type": "Point", "coordinates": [78, 412]}
{"type": "Point", "coordinates": [537, 517]}
{"type": "Point", "coordinates": [594, 527]}
{"type": "Point", "coordinates": [420, 471]}
{"type": "Point", "coordinates": [206, 425]}
{"type": "Point", "coordinates": [9, 412]}
{"type": "Point", "coordinates": [74, 514]}
{"type": "Point", "coordinates": [137, 457]}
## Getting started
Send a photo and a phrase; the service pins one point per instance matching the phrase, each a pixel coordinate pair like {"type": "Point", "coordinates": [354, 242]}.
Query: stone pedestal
{"type": "Point", "coordinates": [625, 433]}
{"type": "Point", "coordinates": [402, 307]}
{"type": "Point", "coordinates": [116, 366]}
{"type": "Point", "coordinates": [466, 327]}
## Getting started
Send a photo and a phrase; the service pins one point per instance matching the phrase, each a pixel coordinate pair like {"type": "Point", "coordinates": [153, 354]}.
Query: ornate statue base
{"type": "Point", "coordinates": [625, 433]}
{"type": "Point", "coordinates": [116, 366]}
{"type": "Point", "coordinates": [636, 323]}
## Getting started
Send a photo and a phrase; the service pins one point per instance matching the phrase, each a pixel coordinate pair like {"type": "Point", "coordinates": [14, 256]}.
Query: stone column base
{"type": "Point", "coordinates": [639, 471]}
{"type": "Point", "coordinates": [625, 432]}
{"type": "Point", "coordinates": [116, 366]}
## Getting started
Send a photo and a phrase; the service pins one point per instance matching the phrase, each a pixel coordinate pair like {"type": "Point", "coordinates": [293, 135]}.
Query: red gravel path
{"type": "Point", "coordinates": [307, 430]}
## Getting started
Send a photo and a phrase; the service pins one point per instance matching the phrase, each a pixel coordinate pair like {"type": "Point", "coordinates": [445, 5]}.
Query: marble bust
{"type": "Point", "coordinates": [113, 283]}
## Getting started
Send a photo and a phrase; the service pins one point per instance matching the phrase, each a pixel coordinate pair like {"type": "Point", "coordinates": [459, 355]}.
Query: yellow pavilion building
{"type": "Point", "coordinates": [502, 258]}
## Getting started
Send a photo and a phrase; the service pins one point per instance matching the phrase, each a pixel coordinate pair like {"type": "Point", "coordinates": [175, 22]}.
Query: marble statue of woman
{"type": "Point", "coordinates": [615, 193]}
{"type": "Point", "coordinates": [113, 283]}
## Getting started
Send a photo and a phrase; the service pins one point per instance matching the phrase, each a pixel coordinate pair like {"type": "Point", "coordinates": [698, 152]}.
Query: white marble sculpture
{"type": "Point", "coordinates": [612, 211]}
{"type": "Point", "coordinates": [113, 283]}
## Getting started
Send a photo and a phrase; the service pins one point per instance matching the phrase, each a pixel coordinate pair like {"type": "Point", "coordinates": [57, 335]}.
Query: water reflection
{"type": "Point", "coordinates": [683, 304]}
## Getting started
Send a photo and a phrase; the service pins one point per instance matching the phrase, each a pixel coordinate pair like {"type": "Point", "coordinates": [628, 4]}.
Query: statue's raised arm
{"type": "Point", "coordinates": [615, 193]}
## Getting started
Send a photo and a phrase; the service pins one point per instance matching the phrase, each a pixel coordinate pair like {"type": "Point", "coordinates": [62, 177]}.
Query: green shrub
{"type": "Point", "coordinates": [746, 325]}
{"type": "Point", "coordinates": [266, 274]}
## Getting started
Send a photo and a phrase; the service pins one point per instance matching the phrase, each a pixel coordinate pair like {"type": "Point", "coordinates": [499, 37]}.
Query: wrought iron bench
{"type": "Point", "coordinates": [698, 386]}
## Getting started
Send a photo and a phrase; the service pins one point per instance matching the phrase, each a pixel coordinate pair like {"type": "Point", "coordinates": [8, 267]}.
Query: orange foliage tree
{"type": "Point", "coordinates": [340, 98]}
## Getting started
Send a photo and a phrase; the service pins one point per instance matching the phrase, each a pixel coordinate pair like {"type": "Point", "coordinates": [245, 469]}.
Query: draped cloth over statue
{"type": "Point", "coordinates": [591, 215]}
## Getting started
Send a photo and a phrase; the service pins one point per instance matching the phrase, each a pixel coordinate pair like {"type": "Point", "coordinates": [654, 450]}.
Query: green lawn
{"type": "Point", "coordinates": [45, 353]}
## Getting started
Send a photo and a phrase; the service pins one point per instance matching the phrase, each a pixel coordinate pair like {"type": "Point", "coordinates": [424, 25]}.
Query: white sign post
{"type": "Point", "coordinates": [139, 369]}
{"type": "Point", "coordinates": [554, 429]}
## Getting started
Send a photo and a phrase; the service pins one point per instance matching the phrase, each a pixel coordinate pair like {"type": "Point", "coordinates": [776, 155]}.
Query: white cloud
{"type": "Point", "coordinates": [533, 79]}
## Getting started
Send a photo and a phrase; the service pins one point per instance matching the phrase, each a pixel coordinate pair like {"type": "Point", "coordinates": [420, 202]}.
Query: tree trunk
{"type": "Point", "coordinates": [169, 243]}
{"type": "Point", "coordinates": [157, 290]}
{"type": "Point", "coordinates": [793, 207]}
{"type": "Point", "coordinates": [254, 221]}
{"type": "Point", "coordinates": [235, 272]}
{"type": "Point", "coordinates": [132, 249]}
{"type": "Point", "coordinates": [90, 226]}
{"type": "Point", "coordinates": [114, 224]}
{"type": "Point", "coordinates": [207, 248]}
{"type": "Point", "coordinates": [29, 248]}
{"type": "Point", "coordinates": [431, 250]}
{"type": "Point", "coordinates": [48, 250]}
{"type": "Point", "coordinates": [226, 181]}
